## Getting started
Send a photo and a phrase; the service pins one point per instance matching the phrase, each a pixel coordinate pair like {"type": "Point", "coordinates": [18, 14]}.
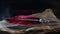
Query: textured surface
{"type": "Point", "coordinates": [41, 29]}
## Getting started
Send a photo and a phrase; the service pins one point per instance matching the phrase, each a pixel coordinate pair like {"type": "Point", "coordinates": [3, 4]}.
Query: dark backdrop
{"type": "Point", "coordinates": [10, 8]}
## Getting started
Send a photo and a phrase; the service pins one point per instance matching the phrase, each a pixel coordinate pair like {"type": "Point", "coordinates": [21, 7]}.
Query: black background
{"type": "Point", "coordinates": [9, 8]}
